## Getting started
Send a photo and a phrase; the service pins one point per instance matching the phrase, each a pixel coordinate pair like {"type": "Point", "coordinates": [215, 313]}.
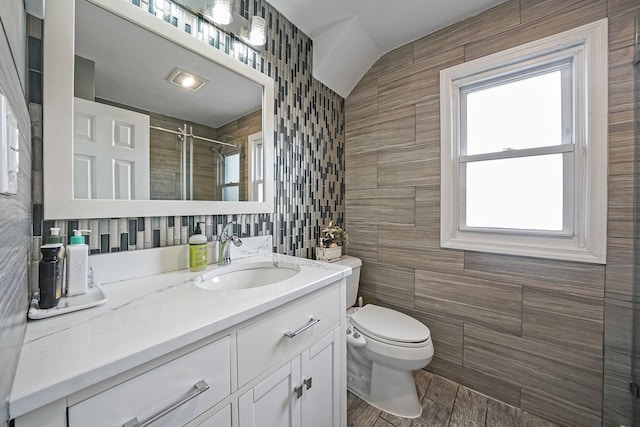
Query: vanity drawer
{"type": "Point", "coordinates": [264, 343]}
{"type": "Point", "coordinates": [162, 389]}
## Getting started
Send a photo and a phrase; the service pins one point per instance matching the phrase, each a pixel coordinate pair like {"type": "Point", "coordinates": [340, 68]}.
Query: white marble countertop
{"type": "Point", "coordinates": [144, 318]}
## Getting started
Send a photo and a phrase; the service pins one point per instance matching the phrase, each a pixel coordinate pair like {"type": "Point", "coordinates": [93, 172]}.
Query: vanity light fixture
{"type": "Point", "coordinates": [256, 32]}
{"type": "Point", "coordinates": [220, 11]}
{"type": "Point", "coordinates": [186, 79]}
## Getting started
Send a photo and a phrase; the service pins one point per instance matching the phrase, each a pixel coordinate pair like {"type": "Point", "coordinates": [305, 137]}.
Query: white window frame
{"type": "Point", "coordinates": [564, 62]}
{"type": "Point", "coordinates": [584, 235]}
{"type": "Point", "coordinates": [256, 160]}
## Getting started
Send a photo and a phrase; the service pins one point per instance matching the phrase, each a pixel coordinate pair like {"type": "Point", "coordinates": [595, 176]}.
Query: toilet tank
{"type": "Point", "coordinates": [353, 280]}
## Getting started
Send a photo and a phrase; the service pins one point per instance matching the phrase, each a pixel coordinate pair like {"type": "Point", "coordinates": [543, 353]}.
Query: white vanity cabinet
{"type": "Point", "coordinates": [283, 367]}
{"type": "Point", "coordinates": [307, 386]}
{"type": "Point", "coordinates": [303, 392]}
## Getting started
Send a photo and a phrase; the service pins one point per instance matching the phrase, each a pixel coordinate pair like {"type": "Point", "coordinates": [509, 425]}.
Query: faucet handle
{"type": "Point", "coordinates": [223, 235]}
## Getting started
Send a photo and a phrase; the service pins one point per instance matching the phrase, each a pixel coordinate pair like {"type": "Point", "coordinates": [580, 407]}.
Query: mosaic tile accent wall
{"type": "Point", "coordinates": [309, 153]}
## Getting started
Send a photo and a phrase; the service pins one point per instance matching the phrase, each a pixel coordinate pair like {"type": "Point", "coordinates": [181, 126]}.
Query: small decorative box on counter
{"type": "Point", "coordinates": [328, 254]}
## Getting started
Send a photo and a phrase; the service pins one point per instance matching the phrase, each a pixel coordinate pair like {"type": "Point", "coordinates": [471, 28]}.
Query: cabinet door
{"type": "Point", "coordinates": [222, 418]}
{"type": "Point", "coordinates": [320, 379]}
{"type": "Point", "coordinates": [273, 402]}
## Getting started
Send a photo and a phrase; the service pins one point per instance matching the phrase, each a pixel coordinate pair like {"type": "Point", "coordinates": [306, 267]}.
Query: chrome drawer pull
{"type": "Point", "coordinates": [311, 322]}
{"type": "Point", "coordinates": [198, 388]}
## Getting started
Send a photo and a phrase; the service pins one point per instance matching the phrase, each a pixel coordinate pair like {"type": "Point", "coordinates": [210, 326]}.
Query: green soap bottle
{"type": "Point", "coordinates": [198, 258]}
{"type": "Point", "coordinates": [56, 237]}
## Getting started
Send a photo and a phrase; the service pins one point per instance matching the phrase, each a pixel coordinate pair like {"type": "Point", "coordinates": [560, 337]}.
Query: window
{"type": "Point", "coordinates": [524, 149]}
{"type": "Point", "coordinates": [231, 188]}
{"type": "Point", "coordinates": [516, 144]}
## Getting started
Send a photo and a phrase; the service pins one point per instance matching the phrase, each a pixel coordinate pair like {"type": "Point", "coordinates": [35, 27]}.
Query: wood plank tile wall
{"type": "Point", "coordinates": [551, 337]}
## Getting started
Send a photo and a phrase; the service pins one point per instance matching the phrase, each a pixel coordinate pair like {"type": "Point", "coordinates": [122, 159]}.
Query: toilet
{"type": "Point", "coordinates": [384, 346]}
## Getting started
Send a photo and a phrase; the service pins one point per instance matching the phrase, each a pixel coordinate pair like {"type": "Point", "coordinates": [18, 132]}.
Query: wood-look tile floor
{"type": "Point", "coordinates": [447, 404]}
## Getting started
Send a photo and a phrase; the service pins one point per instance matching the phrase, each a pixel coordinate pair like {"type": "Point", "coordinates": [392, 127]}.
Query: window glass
{"type": "Point", "coordinates": [520, 193]}
{"type": "Point", "coordinates": [258, 161]}
{"type": "Point", "coordinates": [520, 114]}
{"type": "Point", "coordinates": [231, 193]}
{"type": "Point", "coordinates": [232, 169]}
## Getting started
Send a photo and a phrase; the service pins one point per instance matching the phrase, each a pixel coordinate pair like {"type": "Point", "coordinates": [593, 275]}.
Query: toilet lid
{"type": "Point", "coordinates": [389, 324]}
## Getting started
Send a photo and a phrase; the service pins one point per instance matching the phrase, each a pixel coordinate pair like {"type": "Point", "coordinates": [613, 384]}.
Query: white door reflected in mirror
{"type": "Point", "coordinates": [110, 152]}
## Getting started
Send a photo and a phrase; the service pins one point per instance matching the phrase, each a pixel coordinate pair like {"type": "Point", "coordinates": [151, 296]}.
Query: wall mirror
{"type": "Point", "coordinates": [126, 136]}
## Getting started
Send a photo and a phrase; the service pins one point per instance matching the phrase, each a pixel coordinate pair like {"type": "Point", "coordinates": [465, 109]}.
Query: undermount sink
{"type": "Point", "coordinates": [247, 276]}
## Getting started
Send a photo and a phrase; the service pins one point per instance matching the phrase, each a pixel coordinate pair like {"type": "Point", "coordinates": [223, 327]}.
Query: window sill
{"type": "Point", "coordinates": [560, 248]}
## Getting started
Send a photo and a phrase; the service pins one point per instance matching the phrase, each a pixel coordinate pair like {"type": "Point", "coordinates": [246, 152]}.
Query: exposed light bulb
{"type": "Point", "coordinates": [221, 13]}
{"type": "Point", "coordinates": [257, 34]}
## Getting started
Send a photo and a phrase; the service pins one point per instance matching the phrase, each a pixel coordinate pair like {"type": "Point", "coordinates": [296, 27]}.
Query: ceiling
{"type": "Point", "coordinates": [349, 36]}
{"type": "Point", "coordinates": [131, 66]}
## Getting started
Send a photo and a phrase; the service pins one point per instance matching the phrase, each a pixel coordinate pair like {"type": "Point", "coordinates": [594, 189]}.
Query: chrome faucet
{"type": "Point", "coordinates": [224, 238]}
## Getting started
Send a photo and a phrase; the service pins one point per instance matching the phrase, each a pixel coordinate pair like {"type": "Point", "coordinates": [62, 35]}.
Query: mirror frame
{"type": "Point", "coordinates": [58, 92]}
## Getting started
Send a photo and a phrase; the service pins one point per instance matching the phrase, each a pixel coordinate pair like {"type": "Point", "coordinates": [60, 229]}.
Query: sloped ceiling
{"type": "Point", "coordinates": [349, 36]}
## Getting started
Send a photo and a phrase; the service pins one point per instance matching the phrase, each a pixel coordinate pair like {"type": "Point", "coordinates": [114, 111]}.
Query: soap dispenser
{"type": "Point", "coordinates": [198, 259]}
{"type": "Point", "coordinates": [56, 237]}
{"type": "Point", "coordinates": [77, 264]}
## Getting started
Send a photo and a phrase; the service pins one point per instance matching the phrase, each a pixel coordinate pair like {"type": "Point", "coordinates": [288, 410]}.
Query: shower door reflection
{"type": "Point", "coordinates": [194, 162]}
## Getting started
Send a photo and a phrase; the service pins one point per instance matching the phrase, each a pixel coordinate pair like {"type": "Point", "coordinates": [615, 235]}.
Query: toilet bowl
{"type": "Point", "coordinates": [384, 346]}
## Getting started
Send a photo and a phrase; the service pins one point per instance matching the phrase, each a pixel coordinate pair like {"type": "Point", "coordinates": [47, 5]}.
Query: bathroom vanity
{"type": "Point", "coordinates": [272, 355]}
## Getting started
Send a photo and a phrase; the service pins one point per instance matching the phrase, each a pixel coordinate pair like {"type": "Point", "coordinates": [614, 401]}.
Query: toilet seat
{"type": "Point", "coordinates": [390, 326]}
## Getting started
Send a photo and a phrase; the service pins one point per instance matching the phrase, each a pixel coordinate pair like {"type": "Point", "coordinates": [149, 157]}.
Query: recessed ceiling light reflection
{"type": "Point", "coordinates": [186, 79]}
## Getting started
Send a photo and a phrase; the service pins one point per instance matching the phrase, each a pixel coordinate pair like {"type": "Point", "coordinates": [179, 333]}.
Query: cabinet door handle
{"type": "Point", "coordinates": [298, 391]}
{"type": "Point", "coordinates": [309, 324]}
{"type": "Point", "coordinates": [198, 388]}
{"type": "Point", "coordinates": [308, 382]}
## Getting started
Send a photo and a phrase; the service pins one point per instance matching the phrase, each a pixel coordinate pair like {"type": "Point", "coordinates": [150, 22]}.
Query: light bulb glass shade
{"type": "Point", "coordinates": [257, 33]}
{"type": "Point", "coordinates": [221, 12]}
